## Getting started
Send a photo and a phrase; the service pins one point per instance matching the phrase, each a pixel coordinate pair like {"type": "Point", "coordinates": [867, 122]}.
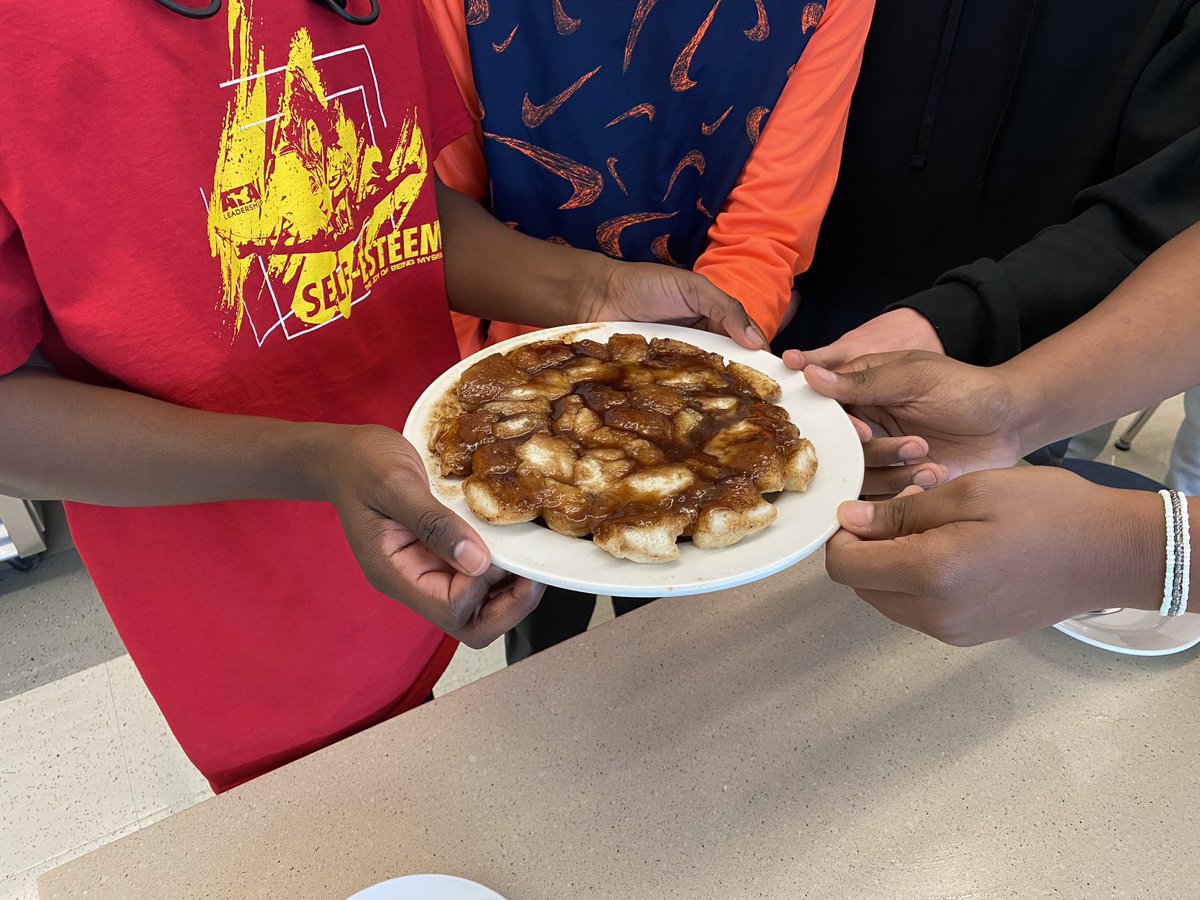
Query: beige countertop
{"type": "Point", "coordinates": [776, 741]}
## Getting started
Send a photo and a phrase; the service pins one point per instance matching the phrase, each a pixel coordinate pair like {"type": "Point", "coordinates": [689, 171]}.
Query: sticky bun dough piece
{"type": "Point", "coordinates": [685, 422]}
{"type": "Point", "coordinates": [651, 425]}
{"type": "Point", "coordinates": [532, 358]}
{"type": "Point", "coordinates": [547, 456]}
{"type": "Point", "coordinates": [495, 459]}
{"type": "Point", "coordinates": [735, 510]}
{"type": "Point", "coordinates": [521, 425]}
{"type": "Point", "coordinates": [602, 397]}
{"type": "Point", "coordinates": [754, 381]}
{"type": "Point", "coordinates": [693, 378]}
{"type": "Point", "coordinates": [504, 499]}
{"type": "Point", "coordinates": [641, 450]}
{"type": "Point", "coordinates": [747, 449]}
{"type": "Point", "coordinates": [669, 348]}
{"type": "Point", "coordinates": [644, 452]}
{"type": "Point", "coordinates": [715, 404]}
{"type": "Point", "coordinates": [600, 470]}
{"type": "Point", "coordinates": [593, 349]}
{"type": "Point", "coordinates": [588, 369]}
{"type": "Point", "coordinates": [503, 408]}
{"type": "Point", "coordinates": [628, 348]}
{"type": "Point", "coordinates": [488, 379]}
{"type": "Point", "coordinates": [576, 419]}
{"type": "Point", "coordinates": [658, 483]}
{"type": "Point", "coordinates": [722, 444]}
{"type": "Point", "coordinates": [769, 412]}
{"type": "Point", "coordinates": [566, 509]}
{"type": "Point", "coordinates": [457, 439]}
{"type": "Point", "coordinates": [763, 462]}
{"type": "Point", "coordinates": [801, 466]}
{"type": "Point", "coordinates": [549, 384]}
{"type": "Point", "coordinates": [657, 398]}
{"type": "Point", "coordinates": [453, 454]}
{"type": "Point", "coordinates": [642, 540]}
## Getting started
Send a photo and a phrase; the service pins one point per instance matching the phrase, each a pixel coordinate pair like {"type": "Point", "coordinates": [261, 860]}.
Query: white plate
{"type": "Point", "coordinates": [427, 887]}
{"type": "Point", "coordinates": [806, 520]}
{"type": "Point", "coordinates": [1138, 632]}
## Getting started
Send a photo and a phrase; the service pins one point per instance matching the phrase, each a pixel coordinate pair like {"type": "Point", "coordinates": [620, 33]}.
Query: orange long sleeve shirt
{"type": "Point", "coordinates": [766, 232]}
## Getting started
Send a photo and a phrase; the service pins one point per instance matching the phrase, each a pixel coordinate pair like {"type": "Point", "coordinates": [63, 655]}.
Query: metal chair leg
{"type": "Point", "coordinates": [1125, 441]}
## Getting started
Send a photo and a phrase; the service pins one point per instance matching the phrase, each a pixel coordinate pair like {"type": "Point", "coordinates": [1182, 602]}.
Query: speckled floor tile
{"type": "Point", "coordinates": [469, 665]}
{"type": "Point", "coordinates": [163, 779]}
{"type": "Point", "coordinates": [602, 613]}
{"type": "Point", "coordinates": [52, 624]}
{"type": "Point", "coordinates": [63, 774]}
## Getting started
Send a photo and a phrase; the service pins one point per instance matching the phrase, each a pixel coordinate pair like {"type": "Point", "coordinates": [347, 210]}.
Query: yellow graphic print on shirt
{"type": "Point", "coordinates": [306, 212]}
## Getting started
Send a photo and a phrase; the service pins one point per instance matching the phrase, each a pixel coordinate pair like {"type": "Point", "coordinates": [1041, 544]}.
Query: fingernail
{"type": "Point", "coordinates": [858, 513]}
{"type": "Point", "coordinates": [470, 558]}
{"type": "Point", "coordinates": [754, 336]}
{"type": "Point", "coordinates": [912, 450]}
{"type": "Point", "coordinates": [816, 373]}
{"type": "Point", "coordinates": [925, 478]}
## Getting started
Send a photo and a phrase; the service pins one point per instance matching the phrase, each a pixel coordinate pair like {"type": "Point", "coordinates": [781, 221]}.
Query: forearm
{"type": "Point", "coordinates": [495, 272]}
{"type": "Point", "coordinates": [1133, 350]}
{"type": "Point", "coordinates": [65, 440]}
{"type": "Point", "coordinates": [988, 311]}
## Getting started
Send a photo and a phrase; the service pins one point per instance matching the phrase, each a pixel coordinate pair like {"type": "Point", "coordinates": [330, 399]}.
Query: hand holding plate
{"type": "Point", "coordinates": [999, 553]}
{"type": "Point", "coordinates": [649, 292]}
{"type": "Point", "coordinates": [966, 414]}
{"type": "Point", "coordinates": [413, 548]}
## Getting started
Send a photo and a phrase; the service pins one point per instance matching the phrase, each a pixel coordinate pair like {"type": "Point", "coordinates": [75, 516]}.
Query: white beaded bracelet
{"type": "Point", "coordinates": [1186, 561]}
{"type": "Point", "coordinates": [1177, 579]}
{"type": "Point", "coordinates": [1169, 577]}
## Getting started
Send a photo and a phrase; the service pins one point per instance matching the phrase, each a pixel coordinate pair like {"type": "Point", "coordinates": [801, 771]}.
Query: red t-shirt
{"type": "Point", "coordinates": [235, 214]}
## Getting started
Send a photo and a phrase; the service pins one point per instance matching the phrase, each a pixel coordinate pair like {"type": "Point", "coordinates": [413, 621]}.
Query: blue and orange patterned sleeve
{"type": "Point", "coordinates": [767, 231]}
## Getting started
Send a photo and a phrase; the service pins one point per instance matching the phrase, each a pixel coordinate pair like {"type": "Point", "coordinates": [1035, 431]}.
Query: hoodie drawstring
{"type": "Point", "coordinates": [1002, 121]}
{"type": "Point", "coordinates": [934, 98]}
{"type": "Point", "coordinates": [337, 6]}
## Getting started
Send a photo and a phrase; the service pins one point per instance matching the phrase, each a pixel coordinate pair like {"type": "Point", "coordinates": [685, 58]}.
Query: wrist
{"type": "Point", "coordinates": [591, 285]}
{"type": "Point", "coordinates": [1025, 405]}
{"type": "Point", "coordinates": [958, 316]}
{"type": "Point", "coordinates": [917, 329]}
{"type": "Point", "coordinates": [310, 453]}
{"type": "Point", "coordinates": [1136, 556]}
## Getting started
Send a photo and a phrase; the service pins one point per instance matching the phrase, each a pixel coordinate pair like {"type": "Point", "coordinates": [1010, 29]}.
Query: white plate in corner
{"type": "Point", "coordinates": [806, 520]}
{"type": "Point", "coordinates": [427, 887]}
{"type": "Point", "coordinates": [1137, 632]}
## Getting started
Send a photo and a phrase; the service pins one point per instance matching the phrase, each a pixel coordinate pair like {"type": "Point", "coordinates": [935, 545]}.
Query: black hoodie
{"type": "Point", "coordinates": [975, 127]}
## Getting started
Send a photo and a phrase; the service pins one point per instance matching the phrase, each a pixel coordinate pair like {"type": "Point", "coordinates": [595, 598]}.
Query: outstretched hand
{"type": "Point", "coordinates": [896, 329]}
{"type": "Point", "coordinates": [650, 292]}
{"type": "Point", "coordinates": [965, 414]}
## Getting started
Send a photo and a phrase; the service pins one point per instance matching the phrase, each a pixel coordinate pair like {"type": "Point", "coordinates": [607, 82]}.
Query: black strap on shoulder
{"type": "Point", "coordinates": [214, 7]}
{"type": "Point", "coordinates": [339, 7]}
{"type": "Point", "coordinates": [193, 12]}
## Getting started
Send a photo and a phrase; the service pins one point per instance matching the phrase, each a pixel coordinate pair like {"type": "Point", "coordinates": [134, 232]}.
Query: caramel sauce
{"type": "Point", "coordinates": [637, 413]}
